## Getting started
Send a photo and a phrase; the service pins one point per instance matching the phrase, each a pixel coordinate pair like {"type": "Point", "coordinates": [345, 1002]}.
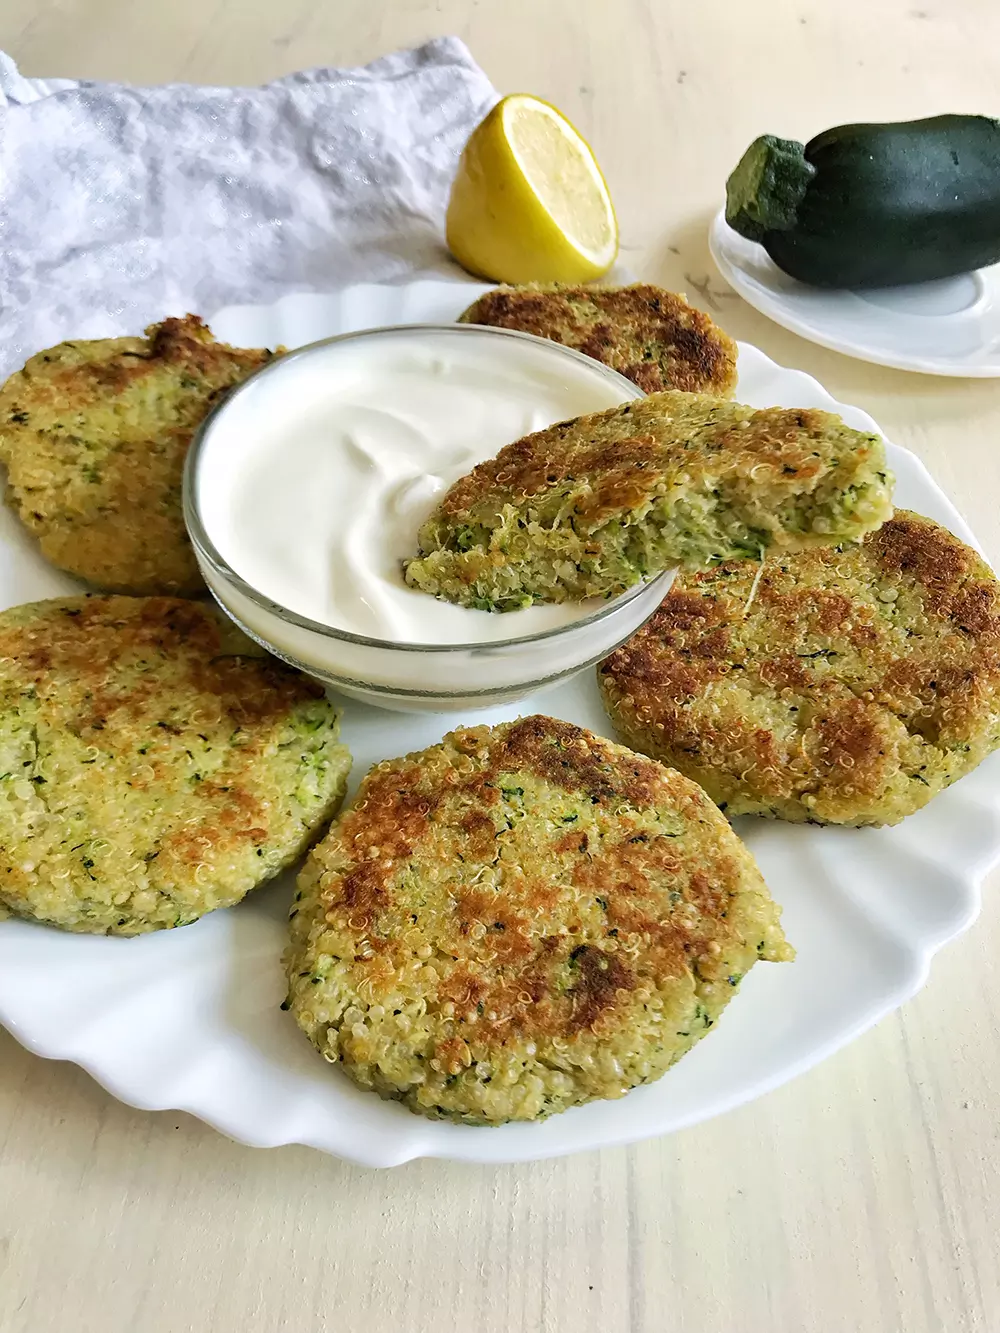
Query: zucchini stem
{"type": "Point", "coordinates": [767, 186]}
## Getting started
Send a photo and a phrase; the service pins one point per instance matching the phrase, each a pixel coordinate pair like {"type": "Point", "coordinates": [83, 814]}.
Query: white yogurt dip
{"type": "Point", "coordinates": [314, 480]}
{"type": "Point", "coordinates": [307, 487]}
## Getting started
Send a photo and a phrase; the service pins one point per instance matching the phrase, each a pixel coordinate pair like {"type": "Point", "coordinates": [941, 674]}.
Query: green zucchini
{"type": "Point", "coordinates": [874, 205]}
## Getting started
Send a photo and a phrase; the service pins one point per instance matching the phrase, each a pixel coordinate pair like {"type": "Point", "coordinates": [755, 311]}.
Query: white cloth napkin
{"type": "Point", "coordinates": [121, 205]}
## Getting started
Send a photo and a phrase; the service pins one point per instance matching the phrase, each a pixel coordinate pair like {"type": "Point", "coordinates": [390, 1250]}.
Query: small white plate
{"type": "Point", "coordinates": [951, 327]}
{"type": "Point", "coordinates": [190, 1019]}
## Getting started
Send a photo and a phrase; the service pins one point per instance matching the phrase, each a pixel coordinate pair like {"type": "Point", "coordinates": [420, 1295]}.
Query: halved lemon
{"type": "Point", "coordinates": [529, 203]}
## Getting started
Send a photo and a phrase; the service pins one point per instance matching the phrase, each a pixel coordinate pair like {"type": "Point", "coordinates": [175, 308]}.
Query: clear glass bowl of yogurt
{"type": "Point", "coordinates": [305, 488]}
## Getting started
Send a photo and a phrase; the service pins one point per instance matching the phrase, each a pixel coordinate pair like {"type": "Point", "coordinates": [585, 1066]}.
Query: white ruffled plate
{"type": "Point", "coordinates": [951, 327]}
{"type": "Point", "coordinates": [190, 1019]}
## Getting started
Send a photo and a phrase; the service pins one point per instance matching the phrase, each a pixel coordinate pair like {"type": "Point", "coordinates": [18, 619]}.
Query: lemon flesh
{"type": "Point", "coordinates": [529, 203]}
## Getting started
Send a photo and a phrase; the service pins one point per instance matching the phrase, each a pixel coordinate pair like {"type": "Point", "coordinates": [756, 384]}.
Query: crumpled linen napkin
{"type": "Point", "coordinates": [121, 205]}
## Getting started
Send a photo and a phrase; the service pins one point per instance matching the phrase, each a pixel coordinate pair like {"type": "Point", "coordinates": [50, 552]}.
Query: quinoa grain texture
{"type": "Point", "coordinates": [521, 919]}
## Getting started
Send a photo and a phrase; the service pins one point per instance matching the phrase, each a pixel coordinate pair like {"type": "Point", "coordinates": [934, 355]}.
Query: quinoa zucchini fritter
{"type": "Point", "coordinates": [521, 919]}
{"type": "Point", "coordinates": [651, 336]}
{"type": "Point", "coordinates": [591, 506]}
{"type": "Point", "coordinates": [94, 437]}
{"type": "Point", "coordinates": [154, 763]}
{"type": "Point", "coordinates": [857, 683]}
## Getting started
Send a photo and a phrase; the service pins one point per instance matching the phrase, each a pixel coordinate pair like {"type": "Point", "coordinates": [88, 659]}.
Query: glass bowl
{"type": "Point", "coordinates": [415, 677]}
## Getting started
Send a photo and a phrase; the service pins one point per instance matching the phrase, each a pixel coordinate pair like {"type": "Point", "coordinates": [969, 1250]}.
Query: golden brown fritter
{"type": "Point", "coordinates": [521, 919]}
{"type": "Point", "coordinates": [94, 437]}
{"type": "Point", "coordinates": [154, 763]}
{"type": "Point", "coordinates": [589, 507]}
{"type": "Point", "coordinates": [852, 686]}
{"type": "Point", "coordinates": [651, 336]}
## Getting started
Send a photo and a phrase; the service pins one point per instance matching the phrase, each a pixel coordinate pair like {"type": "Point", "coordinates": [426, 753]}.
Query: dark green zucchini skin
{"type": "Point", "coordinates": [874, 205]}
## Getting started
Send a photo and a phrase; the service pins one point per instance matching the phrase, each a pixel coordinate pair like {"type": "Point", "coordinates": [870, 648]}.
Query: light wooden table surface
{"type": "Point", "coordinates": [863, 1198]}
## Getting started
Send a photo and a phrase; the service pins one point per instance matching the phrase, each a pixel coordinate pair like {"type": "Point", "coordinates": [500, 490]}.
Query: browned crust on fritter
{"type": "Point", "coordinates": [625, 453]}
{"type": "Point", "coordinates": [94, 436]}
{"type": "Point", "coordinates": [652, 336]}
{"type": "Point", "coordinates": [65, 648]}
{"type": "Point", "coordinates": [499, 949]}
{"type": "Point", "coordinates": [857, 683]}
{"type": "Point", "coordinates": [120, 701]}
